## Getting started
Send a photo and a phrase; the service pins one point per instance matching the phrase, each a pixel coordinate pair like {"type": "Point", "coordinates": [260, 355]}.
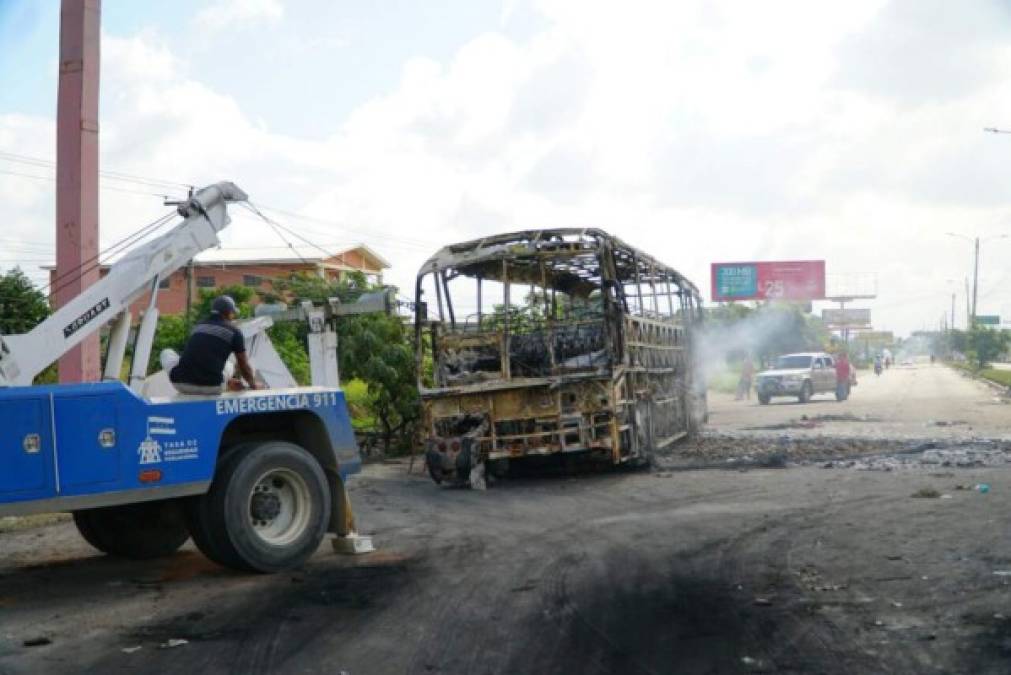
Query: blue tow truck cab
{"type": "Point", "coordinates": [111, 457]}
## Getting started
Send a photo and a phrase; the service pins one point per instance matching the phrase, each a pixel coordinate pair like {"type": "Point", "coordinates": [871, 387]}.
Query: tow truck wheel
{"type": "Point", "coordinates": [267, 509]}
{"type": "Point", "coordinates": [137, 531]}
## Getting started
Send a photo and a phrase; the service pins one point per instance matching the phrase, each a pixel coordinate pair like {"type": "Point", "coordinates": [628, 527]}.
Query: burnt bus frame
{"type": "Point", "coordinates": [640, 395]}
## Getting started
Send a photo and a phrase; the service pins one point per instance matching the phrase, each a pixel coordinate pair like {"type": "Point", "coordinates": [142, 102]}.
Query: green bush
{"type": "Point", "coordinates": [360, 403]}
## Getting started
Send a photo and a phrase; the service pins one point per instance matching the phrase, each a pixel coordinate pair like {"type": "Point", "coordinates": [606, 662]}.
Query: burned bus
{"type": "Point", "coordinates": [548, 342]}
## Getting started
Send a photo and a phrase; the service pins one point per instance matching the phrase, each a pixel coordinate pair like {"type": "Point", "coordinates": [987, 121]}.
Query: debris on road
{"type": "Point", "coordinates": [926, 493]}
{"type": "Point", "coordinates": [131, 650]}
{"type": "Point", "coordinates": [728, 450]}
{"type": "Point", "coordinates": [174, 642]}
{"type": "Point", "coordinates": [37, 642]}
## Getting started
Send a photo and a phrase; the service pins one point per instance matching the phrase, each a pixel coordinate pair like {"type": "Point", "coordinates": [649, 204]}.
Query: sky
{"type": "Point", "coordinates": [700, 131]}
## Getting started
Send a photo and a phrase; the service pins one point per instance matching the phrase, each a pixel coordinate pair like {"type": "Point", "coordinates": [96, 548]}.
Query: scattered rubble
{"type": "Point", "coordinates": [834, 452]}
{"type": "Point", "coordinates": [926, 493]}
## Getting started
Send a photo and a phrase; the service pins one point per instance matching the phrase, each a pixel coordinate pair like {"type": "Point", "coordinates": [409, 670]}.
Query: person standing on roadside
{"type": "Point", "coordinates": [747, 374]}
{"type": "Point", "coordinates": [843, 373]}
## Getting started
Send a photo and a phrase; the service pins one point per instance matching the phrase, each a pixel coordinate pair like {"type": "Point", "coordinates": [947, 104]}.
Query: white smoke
{"type": "Point", "coordinates": [752, 334]}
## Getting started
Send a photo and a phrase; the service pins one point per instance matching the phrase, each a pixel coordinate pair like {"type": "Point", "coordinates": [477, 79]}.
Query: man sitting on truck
{"type": "Point", "coordinates": [200, 370]}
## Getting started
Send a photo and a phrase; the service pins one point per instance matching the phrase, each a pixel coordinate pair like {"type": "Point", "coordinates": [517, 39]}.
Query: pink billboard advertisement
{"type": "Point", "coordinates": [782, 280]}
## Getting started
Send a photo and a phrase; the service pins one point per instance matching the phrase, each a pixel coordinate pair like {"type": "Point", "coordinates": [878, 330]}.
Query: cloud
{"type": "Point", "coordinates": [918, 52]}
{"type": "Point", "coordinates": [230, 13]}
{"type": "Point", "coordinates": [700, 131]}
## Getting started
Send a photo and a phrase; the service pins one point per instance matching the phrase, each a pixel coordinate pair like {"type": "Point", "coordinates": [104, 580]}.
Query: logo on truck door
{"type": "Point", "coordinates": [83, 320]}
{"type": "Point", "coordinates": [153, 451]}
{"type": "Point", "coordinates": [150, 449]}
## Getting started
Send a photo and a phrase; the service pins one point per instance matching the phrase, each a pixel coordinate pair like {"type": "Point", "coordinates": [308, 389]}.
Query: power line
{"type": "Point", "coordinates": [113, 188]}
{"type": "Point", "coordinates": [342, 226]}
{"type": "Point", "coordinates": [150, 182]}
{"type": "Point", "coordinates": [95, 261]}
{"type": "Point", "coordinates": [270, 221]}
{"type": "Point", "coordinates": [115, 175]}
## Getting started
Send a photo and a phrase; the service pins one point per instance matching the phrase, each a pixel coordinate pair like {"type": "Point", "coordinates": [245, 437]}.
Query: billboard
{"type": "Point", "coordinates": [854, 317]}
{"type": "Point", "coordinates": [880, 337]}
{"type": "Point", "coordinates": [782, 280]}
{"type": "Point", "coordinates": [988, 319]}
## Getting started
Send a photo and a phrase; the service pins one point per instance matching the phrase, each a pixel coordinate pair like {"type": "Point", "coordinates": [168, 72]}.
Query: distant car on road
{"type": "Point", "coordinates": [801, 375]}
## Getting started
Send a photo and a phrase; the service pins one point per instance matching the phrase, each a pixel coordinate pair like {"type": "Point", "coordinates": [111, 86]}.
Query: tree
{"type": "Point", "coordinates": [986, 344]}
{"type": "Point", "coordinates": [22, 305]}
{"type": "Point", "coordinates": [375, 348]}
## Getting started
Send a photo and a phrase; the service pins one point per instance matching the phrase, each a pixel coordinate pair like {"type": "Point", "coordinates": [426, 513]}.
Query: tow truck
{"type": "Point", "coordinates": [257, 477]}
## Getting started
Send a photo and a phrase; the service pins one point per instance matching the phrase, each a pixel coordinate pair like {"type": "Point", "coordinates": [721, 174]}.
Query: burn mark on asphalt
{"type": "Point", "coordinates": [266, 623]}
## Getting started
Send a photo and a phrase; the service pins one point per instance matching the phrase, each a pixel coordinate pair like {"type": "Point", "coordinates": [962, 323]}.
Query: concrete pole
{"type": "Point", "coordinates": [975, 282]}
{"type": "Point", "coordinates": [77, 172]}
{"type": "Point", "coordinates": [968, 306]}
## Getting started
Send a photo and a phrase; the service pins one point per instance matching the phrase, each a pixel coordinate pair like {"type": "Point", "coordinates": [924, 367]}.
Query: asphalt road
{"type": "Point", "coordinates": [917, 401]}
{"type": "Point", "coordinates": [795, 570]}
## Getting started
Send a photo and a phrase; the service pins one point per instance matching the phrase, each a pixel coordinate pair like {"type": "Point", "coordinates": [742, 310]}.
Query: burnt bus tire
{"type": "Point", "coordinates": [433, 462]}
{"type": "Point", "coordinates": [136, 531]}
{"type": "Point", "coordinates": [266, 511]}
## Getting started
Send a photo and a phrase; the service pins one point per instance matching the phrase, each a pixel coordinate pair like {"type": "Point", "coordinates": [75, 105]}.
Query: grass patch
{"type": "Point", "coordinates": [1001, 377]}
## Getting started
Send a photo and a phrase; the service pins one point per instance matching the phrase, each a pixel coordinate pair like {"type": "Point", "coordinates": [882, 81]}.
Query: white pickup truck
{"type": "Point", "coordinates": [800, 375]}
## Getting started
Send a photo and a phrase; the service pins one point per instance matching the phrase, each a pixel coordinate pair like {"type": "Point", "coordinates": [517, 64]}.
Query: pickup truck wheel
{"type": "Point", "coordinates": [805, 393]}
{"type": "Point", "coordinates": [267, 509]}
{"type": "Point", "coordinates": [138, 531]}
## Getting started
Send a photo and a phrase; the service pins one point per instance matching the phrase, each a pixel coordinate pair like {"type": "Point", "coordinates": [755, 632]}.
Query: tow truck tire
{"type": "Point", "coordinates": [137, 531]}
{"type": "Point", "coordinates": [266, 511]}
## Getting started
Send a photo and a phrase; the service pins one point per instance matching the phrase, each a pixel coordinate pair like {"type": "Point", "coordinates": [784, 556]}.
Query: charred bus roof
{"type": "Point", "coordinates": [575, 266]}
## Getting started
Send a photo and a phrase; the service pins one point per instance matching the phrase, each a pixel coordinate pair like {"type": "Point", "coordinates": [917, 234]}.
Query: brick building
{"type": "Point", "coordinates": [254, 273]}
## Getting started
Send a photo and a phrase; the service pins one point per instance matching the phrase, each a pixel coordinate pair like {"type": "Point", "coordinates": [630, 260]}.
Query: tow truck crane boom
{"type": "Point", "coordinates": [24, 356]}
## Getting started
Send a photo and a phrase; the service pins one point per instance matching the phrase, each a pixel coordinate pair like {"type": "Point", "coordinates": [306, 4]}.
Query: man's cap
{"type": "Point", "coordinates": [224, 303]}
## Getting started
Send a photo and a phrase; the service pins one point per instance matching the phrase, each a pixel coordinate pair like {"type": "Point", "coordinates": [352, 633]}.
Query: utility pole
{"type": "Point", "coordinates": [968, 306]}
{"type": "Point", "coordinates": [952, 311]}
{"type": "Point", "coordinates": [975, 282]}
{"type": "Point", "coordinates": [77, 172]}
